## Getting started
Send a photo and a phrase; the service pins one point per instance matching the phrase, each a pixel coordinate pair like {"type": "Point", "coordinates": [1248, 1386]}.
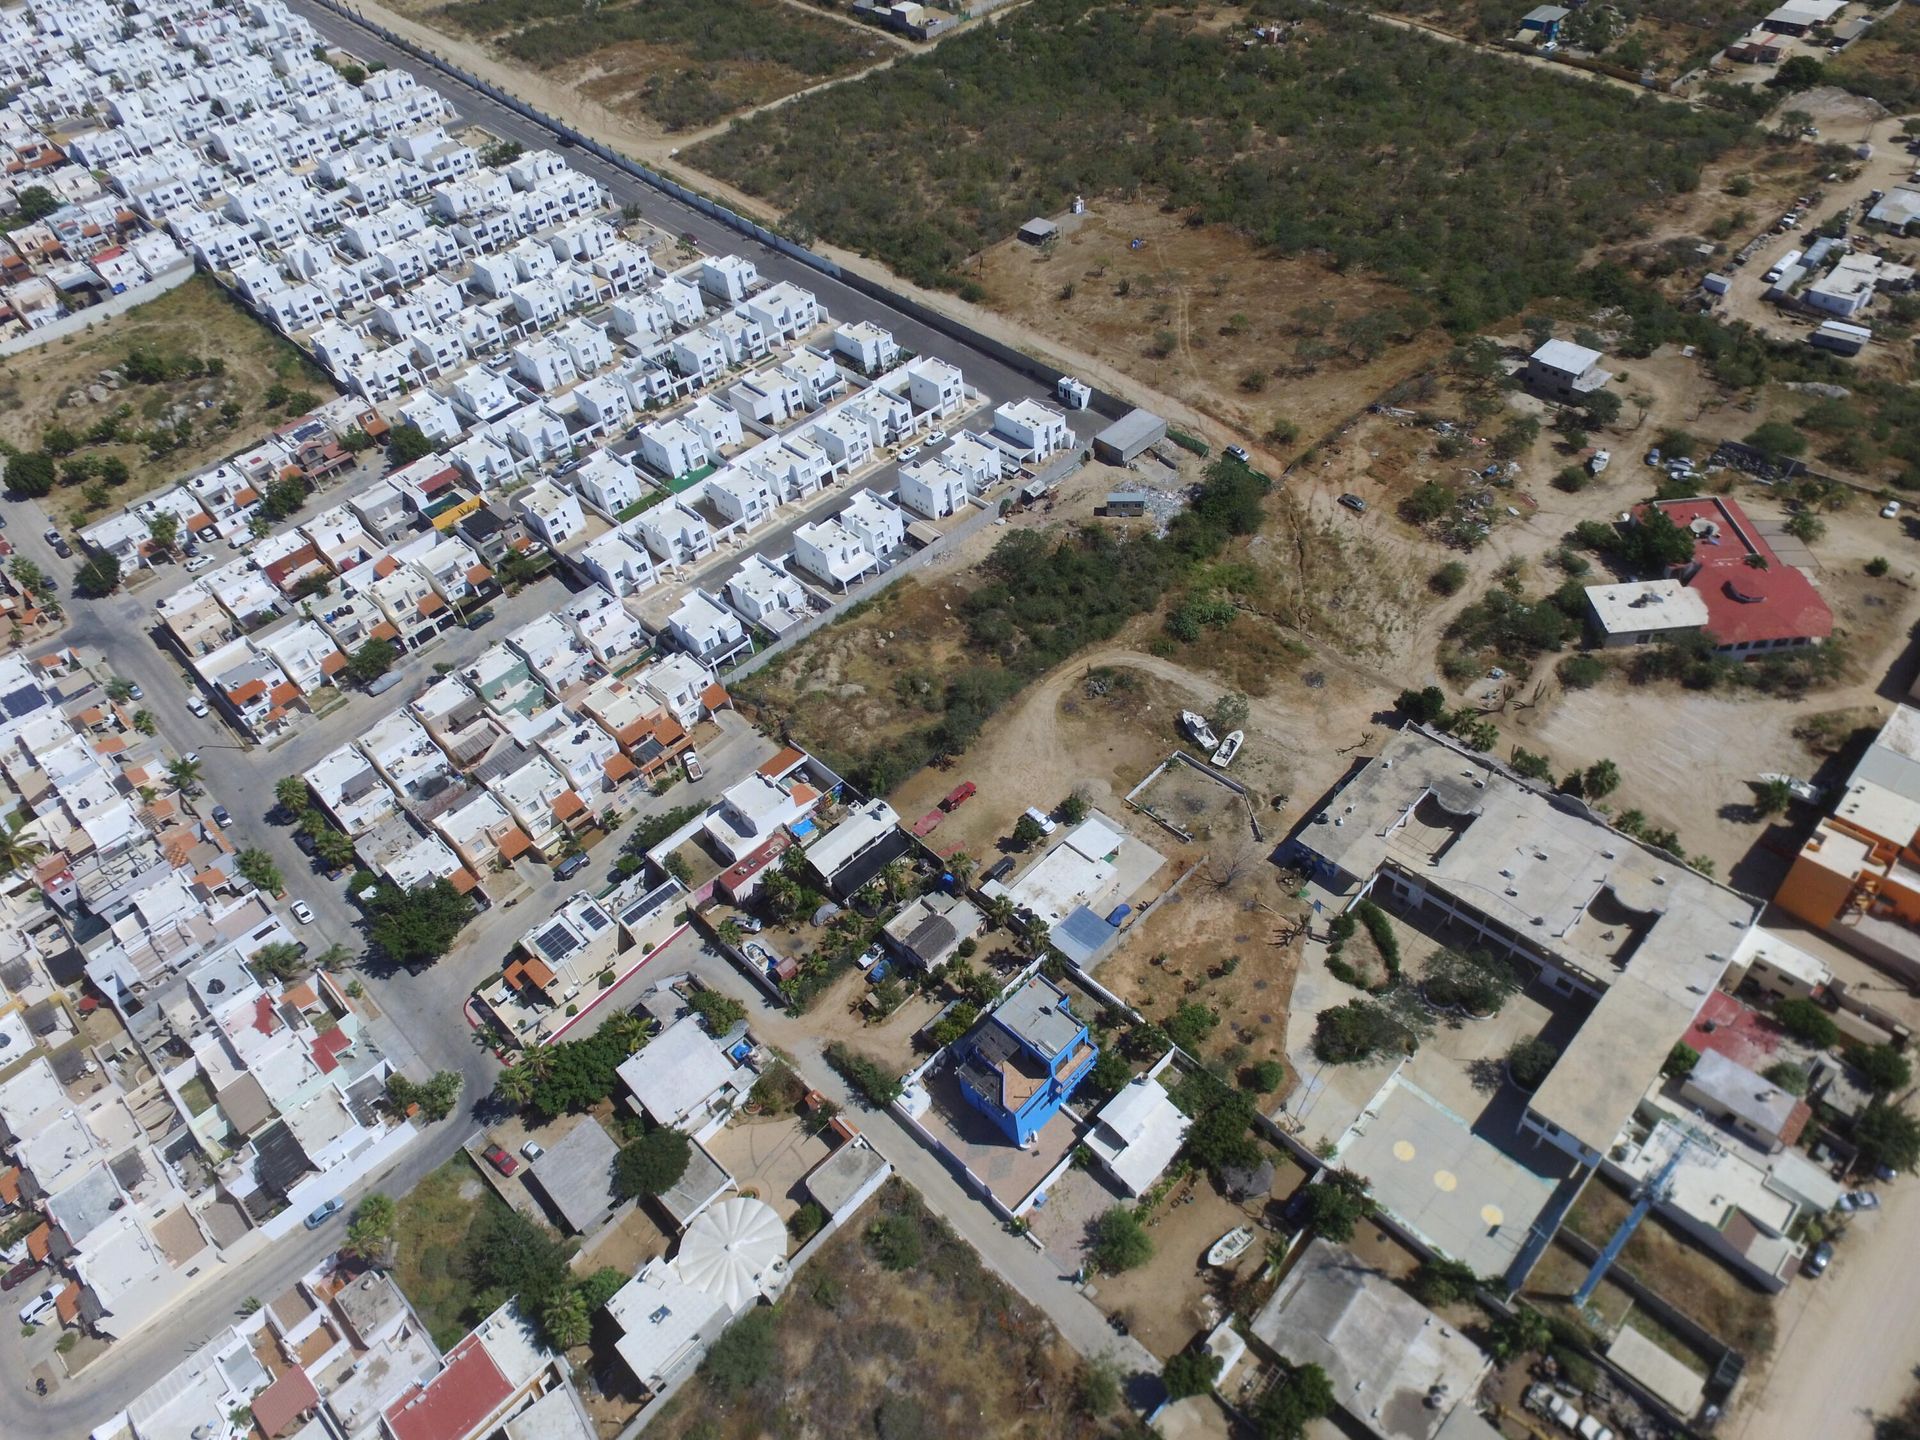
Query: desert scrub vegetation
{"type": "Point", "coordinates": [1041, 598]}
{"type": "Point", "coordinates": [708, 57]}
{"type": "Point", "coordinates": [1332, 143]}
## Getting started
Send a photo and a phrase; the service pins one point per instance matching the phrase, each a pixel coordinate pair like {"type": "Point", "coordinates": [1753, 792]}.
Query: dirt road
{"type": "Point", "coordinates": [1888, 167]}
{"type": "Point", "coordinates": [1848, 1340]}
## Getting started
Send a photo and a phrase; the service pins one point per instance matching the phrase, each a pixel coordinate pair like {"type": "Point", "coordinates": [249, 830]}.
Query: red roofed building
{"type": "Point", "coordinates": [1756, 603]}
{"type": "Point", "coordinates": [1726, 1027]}
{"type": "Point", "coordinates": [466, 1394]}
{"type": "Point", "coordinates": [286, 1404]}
{"type": "Point", "coordinates": [483, 1379]}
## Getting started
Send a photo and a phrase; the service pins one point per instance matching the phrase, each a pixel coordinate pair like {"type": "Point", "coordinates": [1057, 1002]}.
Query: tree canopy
{"type": "Point", "coordinates": [415, 927]}
{"type": "Point", "coordinates": [653, 1164]}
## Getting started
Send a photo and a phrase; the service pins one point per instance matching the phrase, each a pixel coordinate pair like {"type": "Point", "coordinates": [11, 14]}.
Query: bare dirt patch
{"type": "Point", "coordinates": [1690, 1279]}
{"type": "Point", "coordinates": [939, 1347]}
{"type": "Point", "coordinates": [1201, 313]}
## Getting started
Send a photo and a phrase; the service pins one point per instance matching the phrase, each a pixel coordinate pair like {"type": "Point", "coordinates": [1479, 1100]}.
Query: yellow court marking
{"type": "Point", "coordinates": [1445, 1180]}
{"type": "Point", "coordinates": [1403, 1150]}
{"type": "Point", "coordinates": [1492, 1214]}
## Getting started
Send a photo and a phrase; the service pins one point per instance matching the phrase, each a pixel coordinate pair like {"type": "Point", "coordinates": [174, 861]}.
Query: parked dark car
{"type": "Point", "coordinates": [570, 867]}
{"type": "Point", "coordinates": [999, 870]}
{"type": "Point", "coordinates": [19, 1274]}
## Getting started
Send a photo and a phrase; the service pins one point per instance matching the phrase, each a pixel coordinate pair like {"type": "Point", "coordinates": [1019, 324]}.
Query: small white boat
{"type": "Point", "coordinates": [1197, 727]}
{"type": "Point", "coordinates": [1229, 748]}
{"type": "Point", "coordinates": [1230, 1247]}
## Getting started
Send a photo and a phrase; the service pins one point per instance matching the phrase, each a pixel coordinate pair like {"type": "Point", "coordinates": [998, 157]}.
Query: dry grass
{"type": "Point", "coordinates": [852, 686]}
{"type": "Point", "coordinates": [1689, 1278]}
{"type": "Point", "coordinates": [940, 1348]}
{"type": "Point", "coordinates": [1201, 313]}
{"type": "Point", "coordinates": [47, 386]}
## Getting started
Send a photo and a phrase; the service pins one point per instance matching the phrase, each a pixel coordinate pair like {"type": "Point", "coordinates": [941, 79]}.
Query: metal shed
{"type": "Point", "coordinates": [1128, 436]}
{"type": "Point", "coordinates": [1039, 230]}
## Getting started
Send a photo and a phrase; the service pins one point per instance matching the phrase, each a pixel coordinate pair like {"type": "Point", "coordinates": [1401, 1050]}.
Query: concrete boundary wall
{"type": "Point", "coordinates": [80, 321]}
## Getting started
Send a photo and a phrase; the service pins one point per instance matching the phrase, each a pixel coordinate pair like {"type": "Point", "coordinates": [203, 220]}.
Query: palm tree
{"type": "Point", "coordinates": [893, 878]}
{"type": "Point", "coordinates": [16, 853]}
{"type": "Point", "coordinates": [730, 932]}
{"type": "Point", "coordinates": [627, 1030]}
{"type": "Point", "coordinates": [291, 793]}
{"type": "Point", "coordinates": [961, 866]}
{"type": "Point", "coordinates": [516, 1084]}
{"type": "Point", "coordinates": [539, 1060]}
{"type": "Point", "coordinates": [332, 958]}
{"type": "Point", "coordinates": [185, 776]}
{"type": "Point", "coordinates": [1001, 911]}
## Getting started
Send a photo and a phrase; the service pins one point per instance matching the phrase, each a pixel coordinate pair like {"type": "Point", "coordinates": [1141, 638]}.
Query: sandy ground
{"type": "Point", "coordinates": [1241, 331]}
{"type": "Point", "coordinates": [1847, 1340]}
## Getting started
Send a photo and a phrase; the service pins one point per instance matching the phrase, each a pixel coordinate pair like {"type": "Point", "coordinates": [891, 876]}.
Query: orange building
{"type": "Point", "coordinates": [1858, 875]}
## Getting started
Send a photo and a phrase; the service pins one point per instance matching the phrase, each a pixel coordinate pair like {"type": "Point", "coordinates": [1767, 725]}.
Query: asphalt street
{"type": "Point", "coordinates": [422, 1024]}
{"type": "Point", "coordinates": [997, 381]}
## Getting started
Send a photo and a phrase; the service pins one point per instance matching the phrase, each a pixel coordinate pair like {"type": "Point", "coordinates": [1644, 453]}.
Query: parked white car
{"type": "Point", "coordinates": [1890, 509]}
{"type": "Point", "coordinates": [41, 1306]}
{"type": "Point", "coordinates": [302, 912]}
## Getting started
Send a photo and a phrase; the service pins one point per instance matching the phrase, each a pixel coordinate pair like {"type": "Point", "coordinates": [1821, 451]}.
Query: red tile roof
{"type": "Point", "coordinates": [1737, 1031]}
{"type": "Point", "coordinates": [67, 1303]}
{"type": "Point", "coordinates": [279, 1409]}
{"type": "Point", "coordinates": [1747, 604]}
{"type": "Point", "coordinates": [514, 842]}
{"type": "Point", "coordinates": [463, 880]}
{"type": "Point", "coordinates": [264, 1018]}
{"type": "Point", "coordinates": [326, 1050]}
{"type": "Point", "coordinates": [251, 690]}
{"type": "Point", "coordinates": [783, 762]}
{"type": "Point", "coordinates": [456, 1402]}
{"type": "Point", "coordinates": [384, 631]}
{"type": "Point", "coordinates": [568, 804]}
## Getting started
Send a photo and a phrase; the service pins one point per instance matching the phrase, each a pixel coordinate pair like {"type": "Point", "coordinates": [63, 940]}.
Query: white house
{"type": "Point", "coordinates": [936, 385]}
{"type": "Point", "coordinates": [767, 595]}
{"type": "Point", "coordinates": [608, 483]}
{"type": "Point", "coordinates": [728, 277]}
{"type": "Point", "coordinates": [1036, 430]}
{"type": "Point", "coordinates": [743, 495]}
{"type": "Point", "coordinates": [829, 551]}
{"type": "Point", "coordinates": [871, 348]}
{"type": "Point", "coordinates": [707, 629]}
{"type": "Point", "coordinates": [551, 513]}
{"type": "Point", "coordinates": [933, 488]}
{"type": "Point", "coordinates": [675, 533]}
{"type": "Point", "coordinates": [879, 523]}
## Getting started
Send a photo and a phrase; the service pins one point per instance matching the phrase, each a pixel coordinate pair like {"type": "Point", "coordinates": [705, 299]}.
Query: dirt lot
{"type": "Point", "coordinates": [938, 1348]}
{"type": "Point", "coordinates": [1199, 312]}
{"type": "Point", "coordinates": [50, 386]}
{"type": "Point", "coordinates": [1687, 1277]}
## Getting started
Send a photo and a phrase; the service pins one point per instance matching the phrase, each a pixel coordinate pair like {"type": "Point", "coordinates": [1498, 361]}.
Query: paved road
{"type": "Point", "coordinates": [1030, 1272]}
{"type": "Point", "coordinates": [996, 381]}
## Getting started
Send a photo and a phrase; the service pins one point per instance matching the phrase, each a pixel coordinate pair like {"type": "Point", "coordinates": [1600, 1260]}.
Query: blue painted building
{"type": "Point", "coordinates": [1024, 1061]}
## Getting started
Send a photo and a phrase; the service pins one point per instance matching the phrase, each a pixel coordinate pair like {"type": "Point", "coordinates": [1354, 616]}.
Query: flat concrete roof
{"type": "Point", "coordinates": [1640, 606]}
{"type": "Point", "coordinates": [1383, 1350]}
{"type": "Point", "coordinates": [577, 1175]}
{"type": "Point", "coordinates": [1653, 935]}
